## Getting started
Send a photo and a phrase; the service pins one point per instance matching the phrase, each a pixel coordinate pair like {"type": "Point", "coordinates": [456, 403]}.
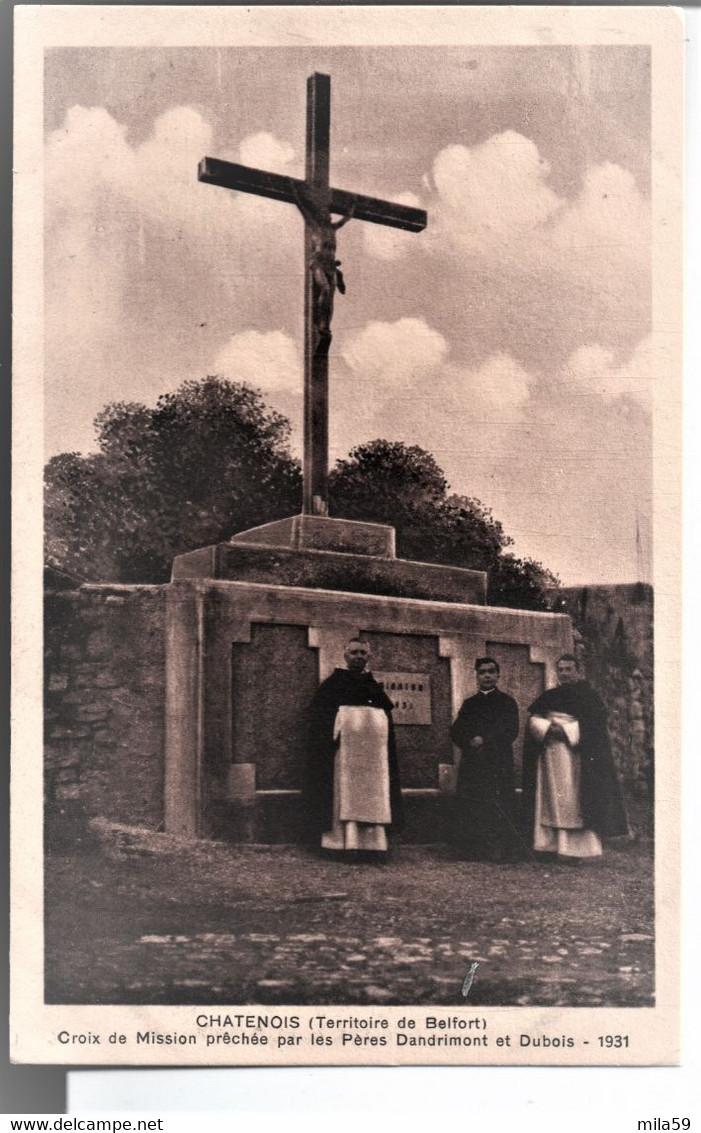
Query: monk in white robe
{"type": "Point", "coordinates": [352, 793]}
{"type": "Point", "coordinates": [559, 824]}
{"type": "Point", "coordinates": [571, 793]}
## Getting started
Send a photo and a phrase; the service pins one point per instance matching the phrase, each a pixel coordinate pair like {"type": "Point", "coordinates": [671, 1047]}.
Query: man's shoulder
{"type": "Point", "coordinates": [344, 678]}
{"type": "Point", "coordinates": [470, 700]}
{"type": "Point", "coordinates": [496, 697]}
{"type": "Point", "coordinates": [338, 674]}
{"type": "Point", "coordinates": [333, 680]}
{"type": "Point", "coordinates": [589, 696]}
{"type": "Point", "coordinates": [549, 699]}
{"type": "Point", "coordinates": [332, 676]}
{"type": "Point", "coordinates": [587, 688]}
{"type": "Point", "coordinates": [504, 696]}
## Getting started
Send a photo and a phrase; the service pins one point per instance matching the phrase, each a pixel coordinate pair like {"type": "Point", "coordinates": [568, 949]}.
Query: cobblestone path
{"type": "Point", "coordinates": [158, 923]}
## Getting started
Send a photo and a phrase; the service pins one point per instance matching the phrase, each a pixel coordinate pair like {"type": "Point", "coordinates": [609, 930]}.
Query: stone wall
{"type": "Point", "coordinates": [105, 693]}
{"type": "Point", "coordinates": [614, 638]}
{"type": "Point", "coordinates": [105, 681]}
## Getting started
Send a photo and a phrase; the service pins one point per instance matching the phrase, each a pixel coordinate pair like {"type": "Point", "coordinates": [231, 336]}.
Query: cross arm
{"type": "Point", "coordinates": [377, 211]}
{"type": "Point", "coordinates": [229, 175]}
{"type": "Point", "coordinates": [277, 186]}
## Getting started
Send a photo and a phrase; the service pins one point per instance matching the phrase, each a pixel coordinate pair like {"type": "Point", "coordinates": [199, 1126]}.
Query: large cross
{"type": "Point", "coordinates": [317, 202]}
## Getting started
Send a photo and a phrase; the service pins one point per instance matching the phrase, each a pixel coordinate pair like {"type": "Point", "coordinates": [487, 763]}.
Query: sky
{"type": "Point", "coordinates": [512, 338]}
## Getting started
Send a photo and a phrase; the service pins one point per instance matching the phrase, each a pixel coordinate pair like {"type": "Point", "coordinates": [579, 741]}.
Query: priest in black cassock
{"type": "Point", "coordinates": [571, 793]}
{"type": "Point", "coordinates": [352, 790]}
{"type": "Point", "coordinates": [484, 818]}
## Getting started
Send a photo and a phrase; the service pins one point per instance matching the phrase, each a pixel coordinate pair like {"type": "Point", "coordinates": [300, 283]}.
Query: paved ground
{"type": "Point", "coordinates": [141, 918]}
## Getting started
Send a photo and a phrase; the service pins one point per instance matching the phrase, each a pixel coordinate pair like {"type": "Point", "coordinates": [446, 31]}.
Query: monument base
{"type": "Point", "coordinates": [322, 533]}
{"type": "Point", "coordinates": [245, 658]}
{"type": "Point", "coordinates": [332, 554]}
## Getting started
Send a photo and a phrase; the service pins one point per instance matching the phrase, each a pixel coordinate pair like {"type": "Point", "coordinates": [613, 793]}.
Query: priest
{"type": "Point", "coordinates": [571, 794]}
{"type": "Point", "coordinates": [353, 793]}
{"type": "Point", "coordinates": [484, 816]}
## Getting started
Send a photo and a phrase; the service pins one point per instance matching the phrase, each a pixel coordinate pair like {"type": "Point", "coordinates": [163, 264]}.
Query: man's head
{"type": "Point", "coordinates": [487, 673]}
{"type": "Point", "coordinates": [356, 654]}
{"type": "Point", "coordinates": [567, 669]}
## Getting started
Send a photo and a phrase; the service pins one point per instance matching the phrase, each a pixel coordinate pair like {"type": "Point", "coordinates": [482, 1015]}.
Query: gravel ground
{"type": "Point", "coordinates": [142, 918]}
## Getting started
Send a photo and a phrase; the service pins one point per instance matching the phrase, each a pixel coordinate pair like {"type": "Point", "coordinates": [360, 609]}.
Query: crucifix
{"type": "Point", "coordinates": [318, 202]}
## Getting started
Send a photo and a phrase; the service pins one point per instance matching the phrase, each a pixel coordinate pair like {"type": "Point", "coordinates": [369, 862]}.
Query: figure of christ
{"type": "Point", "coordinates": [323, 265]}
{"type": "Point", "coordinates": [317, 201]}
{"type": "Point", "coordinates": [352, 790]}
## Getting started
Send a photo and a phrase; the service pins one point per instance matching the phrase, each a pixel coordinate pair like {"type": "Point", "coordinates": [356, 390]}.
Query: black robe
{"type": "Point", "coordinates": [343, 687]}
{"type": "Point", "coordinates": [484, 815]}
{"type": "Point", "coordinates": [601, 800]}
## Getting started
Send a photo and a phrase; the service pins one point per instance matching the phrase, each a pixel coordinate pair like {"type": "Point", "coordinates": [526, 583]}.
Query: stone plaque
{"type": "Point", "coordinates": [410, 694]}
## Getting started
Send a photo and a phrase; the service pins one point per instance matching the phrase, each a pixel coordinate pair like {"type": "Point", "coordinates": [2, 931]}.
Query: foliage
{"type": "Point", "coordinates": [211, 459]}
{"type": "Point", "coordinates": [390, 482]}
{"type": "Point", "coordinates": [522, 584]}
{"type": "Point", "coordinates": [206, 460]}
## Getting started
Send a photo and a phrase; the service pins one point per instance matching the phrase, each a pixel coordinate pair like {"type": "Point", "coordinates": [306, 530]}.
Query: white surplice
{"type": "Point", "coordinates": [559, 824]}
{"type": "Point", "coordinates": [361, 801]}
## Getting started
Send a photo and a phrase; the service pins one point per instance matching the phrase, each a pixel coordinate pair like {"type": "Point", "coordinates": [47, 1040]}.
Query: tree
{"type": "Point", "coordinates": [402, 485]}
{"type": "Point", "coordinates": [522, 584]}
{"type": "Point", "coordinates": [211, 459]}
{"type": "Point", "coordinates": [390, 482]}
{"type": "Point", "coordinates": [207, 460]}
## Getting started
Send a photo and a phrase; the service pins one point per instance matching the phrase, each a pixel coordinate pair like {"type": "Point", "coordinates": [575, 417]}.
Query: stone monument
{"type": "Point", "coordinates": [253, 625]}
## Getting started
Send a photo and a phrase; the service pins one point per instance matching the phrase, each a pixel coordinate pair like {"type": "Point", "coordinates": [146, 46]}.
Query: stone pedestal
{"type": "Point", "coordinates": [253, 627]}
{"type": "Point", "coordinates": [305, 551]}
{"type": "Point", "coordinates": [322, 533]}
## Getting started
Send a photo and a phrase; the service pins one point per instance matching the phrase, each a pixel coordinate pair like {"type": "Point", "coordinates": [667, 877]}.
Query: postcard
{"type": "Point", "coordinates": [347, 387]}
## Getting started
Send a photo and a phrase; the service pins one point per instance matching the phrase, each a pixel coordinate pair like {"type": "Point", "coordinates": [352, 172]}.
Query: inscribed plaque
{"type": "Point", "coordinates": [410, 694]}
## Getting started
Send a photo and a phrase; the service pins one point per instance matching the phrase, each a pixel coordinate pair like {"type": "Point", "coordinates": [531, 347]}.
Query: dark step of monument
{"type": "Point", "coordinates": [322, 533]}
{"type": "Point", "coordinates": [307, 555]}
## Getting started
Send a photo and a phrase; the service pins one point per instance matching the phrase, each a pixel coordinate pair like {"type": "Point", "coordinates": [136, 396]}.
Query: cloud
{"type": "Point", "coordinates": [403, 383]}
{"type": "Point", "coordinates": [572, 478]}
{"type": "Point", "coordinates": [542, 450]}
{"type": "Point", "coordinates": [500, 382]}
{"type": "Point", "coordinates": [593, 370]}
{"type": "Point", "coordinates": [409, 362]}
{"type": "Point", "coordinates": [143, 262]}
{"type": "Point", "coordinates": [159, 175]}
{"type": "Point", "coordinates": [494, 191]}
{"type": "Point", "coordinates": [156, 180]}
{"type": "Point", "coordinates": [85, 261]}
{"type": "Point", "coordinates": [265, 151]}
{"type": "Point", "coordinates": [509, 338]}
{"type": "Point", "coordinates": [389, 243]}
{"type": "Point", "coordinates": [394, 354]}
{"type": "Point", "coordinates": [270, 361]}
{"type": "Point", "coordinates": [532, 272]}
{"type": "Point", "coordinates": [609, 215]}
{"type": "Point", "coordinates": [105, 202]}
{"type": "Point", "coordinates": [90, 140]}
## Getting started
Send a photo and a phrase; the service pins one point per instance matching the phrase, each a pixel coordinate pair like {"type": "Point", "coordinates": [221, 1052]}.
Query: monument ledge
{"type": "Point", "coordinates": [330, 554]}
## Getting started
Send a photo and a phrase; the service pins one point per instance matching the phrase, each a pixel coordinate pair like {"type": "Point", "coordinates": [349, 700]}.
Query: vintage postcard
{"type": "Point", "coordinates": [347, 535]}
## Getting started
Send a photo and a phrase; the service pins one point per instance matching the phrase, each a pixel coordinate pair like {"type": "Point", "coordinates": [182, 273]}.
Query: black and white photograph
{"type": "Point", "coordinates": [349, 361]}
